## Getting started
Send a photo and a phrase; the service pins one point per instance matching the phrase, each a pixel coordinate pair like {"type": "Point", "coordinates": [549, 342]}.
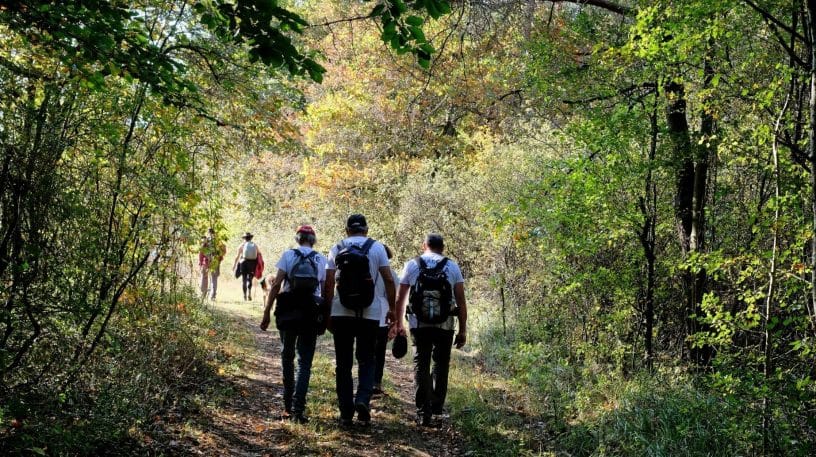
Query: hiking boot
{"type": "Point", "coordinates": [424, 419]}
{"type": "Point", "coordinates": [346, 422]}
{"type": "Point", "coordinates": [438, 411]}
{"type": "Point", "coordinates": [299, 418]}
{"type": "Point", "coordinates": [363, 414]}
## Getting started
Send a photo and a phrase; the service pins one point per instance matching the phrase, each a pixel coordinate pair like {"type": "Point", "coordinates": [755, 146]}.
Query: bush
{"type": "Point", "coordinates": [160, 353]}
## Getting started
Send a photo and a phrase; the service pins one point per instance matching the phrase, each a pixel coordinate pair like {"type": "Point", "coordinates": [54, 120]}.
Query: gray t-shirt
{"type": "Point", "coordinates": [289, 259]}
{"type": "Point", "coordinates": [376, 258]}
{"type": "Point", "coordinates": [410, 274]}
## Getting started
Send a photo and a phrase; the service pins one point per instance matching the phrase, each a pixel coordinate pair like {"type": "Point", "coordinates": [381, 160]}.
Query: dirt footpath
{"type": "Point", "coordinates": [248, 424]}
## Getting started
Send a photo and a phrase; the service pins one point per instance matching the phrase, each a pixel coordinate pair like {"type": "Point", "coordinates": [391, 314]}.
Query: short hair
{"type": "Point", "coordinates": [434, 241]}
{"type": "Point", "coordinates": [302, 237]}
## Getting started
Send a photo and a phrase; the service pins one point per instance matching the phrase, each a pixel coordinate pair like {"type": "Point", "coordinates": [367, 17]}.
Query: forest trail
{"type": "Point", "coordinates": [247, 423]}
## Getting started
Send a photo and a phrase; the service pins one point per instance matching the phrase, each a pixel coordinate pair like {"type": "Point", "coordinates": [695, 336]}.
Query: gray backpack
{"type": "Point", "coordinates": [302, 276]}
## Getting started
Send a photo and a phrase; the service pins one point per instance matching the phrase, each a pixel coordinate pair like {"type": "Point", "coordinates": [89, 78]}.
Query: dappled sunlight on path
{"type": "Point", "coordinates": [248, 424]}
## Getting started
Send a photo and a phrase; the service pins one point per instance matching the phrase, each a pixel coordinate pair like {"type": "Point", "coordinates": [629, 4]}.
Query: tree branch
{"type": "Point", "coordinates": [626, 91]}
{"type": "Point", "coordinates": [770, 17]}
{"type": "Point", "coordinates": [341, 21]}
{"type": "Point", "coordinates": [603, 4]}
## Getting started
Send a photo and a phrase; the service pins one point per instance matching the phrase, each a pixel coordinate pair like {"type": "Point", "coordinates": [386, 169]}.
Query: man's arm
{"type": "Point", "coordinates": [459, 295]}
{"type": "Point", "coordinates": [328, 296]}
{"type": "Point", "coordinates": [240, 251]}
{"type": "Point", "coordinates": [274, 289]}
{"type": "Point", "coordinates": [402, 301]}
{"type": "Point", "coordinates": [390, 292]}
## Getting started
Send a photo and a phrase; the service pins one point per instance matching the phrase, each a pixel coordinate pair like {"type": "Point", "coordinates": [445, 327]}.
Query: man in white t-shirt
{"type": "Point", "coordinates": [355, 314]}
{"type": "Point", "coordinates": [382, 332]}
{"type": "Point", "coordinates": [299, 329]}
{"type": "Point", "coordinates": [432, 341]}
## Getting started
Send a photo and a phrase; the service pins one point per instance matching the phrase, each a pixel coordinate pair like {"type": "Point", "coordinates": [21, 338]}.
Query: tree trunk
{"type": "Point", "coordinates": [689, 203]}
{"type": "Point", "coordinates": [648, 207]}
{"type": "Point", "coordinates": [811, 152]}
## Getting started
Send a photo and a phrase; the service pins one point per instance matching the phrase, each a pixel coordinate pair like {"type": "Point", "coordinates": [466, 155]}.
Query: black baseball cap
{"type": "Point", "coordinates": [357, 221]}
{"type": "Point", "coordinates": [399, 347]}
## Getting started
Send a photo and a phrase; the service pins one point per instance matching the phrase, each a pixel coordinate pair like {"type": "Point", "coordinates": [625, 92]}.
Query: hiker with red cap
{"type": "Point", "coordinates": [295, 294]}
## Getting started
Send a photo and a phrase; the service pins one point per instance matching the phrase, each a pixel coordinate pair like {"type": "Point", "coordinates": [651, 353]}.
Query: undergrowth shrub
{"type": "Point", "coordinates": [160, 355]}
{"type": "Point", "coordinates": [588, 408]}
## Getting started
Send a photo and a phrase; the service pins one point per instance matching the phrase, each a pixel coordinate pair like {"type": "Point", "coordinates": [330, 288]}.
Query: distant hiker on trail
{"type": "Point", "coordinates": [298, 317]}
{"type": "Point", "coordinates": [210, 255]}
{"type": "Point", "coordinates": [382, 332]}
{"type": "Point", "coordinates": [434, 284]}
{"type": "Point", "coordinates": [354, 265]}
{"type": "Point", "coordinates": [248, 264]}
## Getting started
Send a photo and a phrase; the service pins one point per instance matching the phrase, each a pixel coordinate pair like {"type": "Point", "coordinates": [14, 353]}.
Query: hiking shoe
{"type": "Point", "coordinates": [439, 411]}
{"type": "Point", "coordinates": [377, 390]}
{"type": "Point", "coordinates": [424, 419]}
{"type": "Point", "coordinates": [363, 414]}
{"type": "Point", "coordinates": [346, 422]}
{"type": "Point", "coordinates": [299, 419]}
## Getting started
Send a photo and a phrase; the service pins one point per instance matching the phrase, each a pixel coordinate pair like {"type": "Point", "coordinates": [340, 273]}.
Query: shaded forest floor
{"type": "Point", "coordinates": [245, 421]}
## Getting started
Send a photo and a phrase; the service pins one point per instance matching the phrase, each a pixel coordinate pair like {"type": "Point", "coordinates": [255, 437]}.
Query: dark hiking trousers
{"type": "Point", "coordinates": [382, 342]}
{"type": "Point", "coordinates": [431, 343]}
{"type": "Point", "coordinates": [295, 388]}
{"type": "Point", "coordinates": [247, 275]}
{"type": "Point", "coordinates": [347, 331]}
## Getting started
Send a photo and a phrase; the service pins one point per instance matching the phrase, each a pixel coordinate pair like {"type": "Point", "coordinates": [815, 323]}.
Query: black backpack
{"type": "Point", "coordinates": [431, 294]}
{"type": "Point", "coordinates": [303, 275]}
{"type": "Point", "coordinates": [355, 286]}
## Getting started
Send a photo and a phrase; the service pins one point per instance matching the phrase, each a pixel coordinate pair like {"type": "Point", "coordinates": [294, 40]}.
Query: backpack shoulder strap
{"type": "Point", "coordinates": [441, 264]}
{"type": "Point", "coordinates": [297, 252]}
{"type": "Point", "coordinates": [421, 263]}
{"type": "Point", "coordinates": [367, 245]}
{"type": "Point", "coordinates": [310, 255]}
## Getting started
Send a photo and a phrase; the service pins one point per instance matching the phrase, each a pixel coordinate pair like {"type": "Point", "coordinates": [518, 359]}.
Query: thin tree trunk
{"type": "Point", "coordinates": [647, 238]}
{"type": "Point", "coordinates": [811, 152]}
{"type": "Point", "coordinates": [767, 363]}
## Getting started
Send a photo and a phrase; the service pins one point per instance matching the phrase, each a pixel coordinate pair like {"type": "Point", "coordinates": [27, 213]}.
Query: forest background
{"type": "Point", "coordinates": [629, 187]}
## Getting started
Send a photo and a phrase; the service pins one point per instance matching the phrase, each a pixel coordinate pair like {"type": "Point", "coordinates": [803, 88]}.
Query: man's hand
{"type": "Point", "coordinates": [389, 318]}
{"type": "Point", "coordinates": [460, 340]}
{"type": "Point", "coordinates": [396, 329]}
{"type": "Point", "coordinates": [265, 321]}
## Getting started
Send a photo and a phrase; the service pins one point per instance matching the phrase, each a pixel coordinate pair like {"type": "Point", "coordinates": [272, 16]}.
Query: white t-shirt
{"type": "Point", "coordinates": [376, 258]}
{"type": "Point", "coordinates": [379, 292]}
{"type": "Point", "coordinates": [409, 276]}
{"type": "Point", "coordinates": [288, 260]}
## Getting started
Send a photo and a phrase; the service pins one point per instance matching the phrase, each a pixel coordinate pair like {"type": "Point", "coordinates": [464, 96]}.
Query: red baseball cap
{"type": "Point", "coordinates": [307, 229]}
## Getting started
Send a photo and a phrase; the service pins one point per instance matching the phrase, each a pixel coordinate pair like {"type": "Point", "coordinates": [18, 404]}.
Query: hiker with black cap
{"type": "Point", "coordinates": [246, 263]}
{"type": "Point", "coordinates": [298, 317]}
{"type": "Point", "coordinates": [435, 288]}
{"type": "Point", "coordinates": [354, 266]}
